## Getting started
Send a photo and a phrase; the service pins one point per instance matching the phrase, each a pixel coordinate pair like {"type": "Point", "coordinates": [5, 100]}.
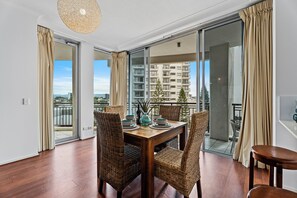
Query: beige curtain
{"type": "Point", "coordinates": [256, 128]}
{"type": "Point", "coordinates": [46, 67]}
{"type": "Point", "coordinates": [118, 85]}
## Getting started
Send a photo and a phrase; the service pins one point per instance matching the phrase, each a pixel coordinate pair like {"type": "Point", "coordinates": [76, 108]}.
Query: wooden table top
{"type": "Point", "coordinates": [148, 132]}
{"type": "Point", "coordinates": [275, 153]}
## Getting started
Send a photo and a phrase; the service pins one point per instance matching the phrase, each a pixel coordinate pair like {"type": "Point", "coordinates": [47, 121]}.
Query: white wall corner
{"type": "Point", "coordinates": [86, 90]}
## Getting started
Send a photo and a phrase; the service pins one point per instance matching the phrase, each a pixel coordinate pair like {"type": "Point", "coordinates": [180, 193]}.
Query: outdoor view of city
{"type": "Point", "coordinates": [161, 83]}
{"type": "Point", "coordinates": [169, 83]}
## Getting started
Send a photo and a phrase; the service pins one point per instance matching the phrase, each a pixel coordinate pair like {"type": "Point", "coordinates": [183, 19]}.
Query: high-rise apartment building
{"type": "Point", "coordinates": [173, 77]}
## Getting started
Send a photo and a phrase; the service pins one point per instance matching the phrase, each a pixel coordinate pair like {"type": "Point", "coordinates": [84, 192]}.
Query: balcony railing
{"type": "Point", "coordinates": [63, 114]}
{"type": "Point", "coordinates": [63, 111]}
{"type": "Point", "coordinates": [191, 106]}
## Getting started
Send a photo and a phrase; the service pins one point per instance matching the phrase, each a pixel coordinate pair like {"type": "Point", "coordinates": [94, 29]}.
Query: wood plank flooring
{"type": "Point", "coordinates": [70, 171]}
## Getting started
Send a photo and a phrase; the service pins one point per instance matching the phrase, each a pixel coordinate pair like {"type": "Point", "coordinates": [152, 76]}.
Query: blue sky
{"type": "Point", "coordinates": [63, 77]}
{"type": "Point", "coordinates": [101, 77]}
{"type": "Point", "coordinates": [193, 76]}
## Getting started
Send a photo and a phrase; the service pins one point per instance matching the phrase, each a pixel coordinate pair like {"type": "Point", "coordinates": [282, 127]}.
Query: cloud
{"type": "Point", "coordinates": [63, 85]}
{"type": "Point", "coordinates": [101, 85]}
{"type": "Point", "coordinates": [68, 69]}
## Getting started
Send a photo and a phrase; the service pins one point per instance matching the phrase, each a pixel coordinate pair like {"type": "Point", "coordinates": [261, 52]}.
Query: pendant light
{"type": "Point", "coordinates": [82, 16]}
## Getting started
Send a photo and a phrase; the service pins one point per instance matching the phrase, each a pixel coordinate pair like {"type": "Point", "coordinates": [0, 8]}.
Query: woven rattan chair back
{"type": "Point", "coordinates": [116, 109]}
{"type": "Point", "coordinates": [190, 158]}
{"type": "Point", "coordinates": [111, 139]}
{"type": "Point", "coordinates": [170, 112]}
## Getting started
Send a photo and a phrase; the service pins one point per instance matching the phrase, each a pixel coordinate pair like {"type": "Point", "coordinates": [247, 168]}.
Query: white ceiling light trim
{"type": "Point", "coordinates": [80, 16]}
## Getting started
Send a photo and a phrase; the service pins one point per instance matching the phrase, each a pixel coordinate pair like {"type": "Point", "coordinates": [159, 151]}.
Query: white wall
{"type": "Point", "coordinates": [18, 79]}
{"type": "Point", "coordinates": [19, 133]}
{"type": "Point", "coordinates": [285, 71]}
{"type": "Point", "coordinates": [86, 75]}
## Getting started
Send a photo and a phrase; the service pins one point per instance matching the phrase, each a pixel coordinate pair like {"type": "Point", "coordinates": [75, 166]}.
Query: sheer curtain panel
{"type": "Point", "coordinates": [256, 126]}
{"type": "Point", "coordinates": [46, 67]}
{"type": "Point", "coordinates": [118, 85]}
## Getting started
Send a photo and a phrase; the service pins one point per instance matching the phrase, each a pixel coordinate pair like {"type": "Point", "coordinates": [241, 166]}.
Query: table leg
{"type": "Point", "coordinates": [279, 177]}
{"type": "Point", "coordinates": [147, 169]}
{"type": "Point", "coordinates": [183, 137]}
{"type": "Point", "coordinates": [271, 175]}
{"type": "Point", "coordinates": [251, 179]}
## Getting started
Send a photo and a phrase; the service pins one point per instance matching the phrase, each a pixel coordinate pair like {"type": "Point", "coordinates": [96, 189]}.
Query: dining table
{"type": "Point", "coordinates": [147, 138]}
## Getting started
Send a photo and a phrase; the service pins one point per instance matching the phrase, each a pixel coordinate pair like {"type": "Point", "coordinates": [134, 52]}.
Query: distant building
{"type": "Point", "coordinates": [69, 96]}
{"type": "Point", "coordinates": [103, 96]}
{"type": "Point", "coordinates": [173, 76]}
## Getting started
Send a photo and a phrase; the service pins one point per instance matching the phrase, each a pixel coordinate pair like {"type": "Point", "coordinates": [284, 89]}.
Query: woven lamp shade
{"type": "Point", "coordinates": [81, 16]}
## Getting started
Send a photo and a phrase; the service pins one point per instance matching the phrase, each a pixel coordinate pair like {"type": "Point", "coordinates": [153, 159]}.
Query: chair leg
{"type": "Point", "coordinates": [271, 176]}
{"type": "Point", "coordinates": [251, 178]}
{"type": "Point", "coordinates": [279, 177]}
{"type": "Point", "coordinates": [199, 191]}
{"type": "Point", "coordinates": [119, 194]}
{"type": "Point", "coordinates": [100, 186]}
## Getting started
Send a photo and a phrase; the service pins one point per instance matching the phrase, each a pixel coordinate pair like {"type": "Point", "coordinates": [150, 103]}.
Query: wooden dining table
{"type": "Point", "coordinates": [147, 138]}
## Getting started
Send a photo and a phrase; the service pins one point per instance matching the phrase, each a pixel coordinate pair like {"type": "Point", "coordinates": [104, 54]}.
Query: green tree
{"type": "Point", "coordinates": [158, 96]}
{"type": "Point", "coordinates": [96, 99]}
{"type": "Point", "coordinates": [206, 94]}
{"type": "Point", "coordinates": [185, 111]}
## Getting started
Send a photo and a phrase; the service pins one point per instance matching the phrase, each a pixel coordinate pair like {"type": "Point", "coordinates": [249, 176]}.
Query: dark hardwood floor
{"type": "Point", "coordinates": [70, 171]}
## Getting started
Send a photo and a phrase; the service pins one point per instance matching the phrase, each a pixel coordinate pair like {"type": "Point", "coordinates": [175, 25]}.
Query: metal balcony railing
{"type": "Point", "coordinates": [63, 114]}
{"type": "Point", "coordinates": [63, 111]}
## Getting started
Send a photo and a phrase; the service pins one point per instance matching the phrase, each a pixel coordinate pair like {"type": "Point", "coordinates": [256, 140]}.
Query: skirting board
{"type": "Point", "coordinates": [19, 158]}
{"type": "Point", "coordinates": [87, 134]}
{"type": "Point", "coordinates": [87, 137]}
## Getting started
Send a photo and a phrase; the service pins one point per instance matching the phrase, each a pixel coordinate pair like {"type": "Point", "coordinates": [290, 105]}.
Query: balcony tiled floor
{"type": "Point", "coordinates": [62, 134]}
{"type": "Point", "coordinates": [218, 146]}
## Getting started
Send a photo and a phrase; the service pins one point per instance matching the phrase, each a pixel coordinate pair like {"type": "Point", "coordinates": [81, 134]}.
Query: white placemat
{"type": "Point", "coordinates": [160, 127]}
{"type": "Point", "coordinates": [132, 128]}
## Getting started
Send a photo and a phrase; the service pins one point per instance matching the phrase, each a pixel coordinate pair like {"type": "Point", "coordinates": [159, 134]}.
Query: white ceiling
{"type": "Point", "coordinates": [127, 24]}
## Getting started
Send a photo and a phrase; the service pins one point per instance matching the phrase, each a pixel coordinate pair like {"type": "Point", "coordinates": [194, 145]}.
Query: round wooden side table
{"type": "Point", "coordinates": [271, 192]}
{"type": "Point", "coordinates": [273, 156]}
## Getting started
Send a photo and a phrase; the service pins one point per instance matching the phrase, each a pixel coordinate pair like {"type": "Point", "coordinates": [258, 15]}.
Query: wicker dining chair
{"type": "Point", "coordinates": [179, 168]}
{"type": "Point", "coordinates": [170, 113]}
{"type": "Point", "coordinates": [116, 109]}
{"type": "Point", "coordinates": [119, 163]}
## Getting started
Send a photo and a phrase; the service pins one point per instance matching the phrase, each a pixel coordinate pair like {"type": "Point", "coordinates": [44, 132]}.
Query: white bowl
{"type": "Point", "coordinates": [161, 121]}
{"type": "Point", "coordinates": [126, 123]}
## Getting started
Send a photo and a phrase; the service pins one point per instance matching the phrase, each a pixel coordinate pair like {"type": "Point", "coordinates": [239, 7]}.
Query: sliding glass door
{"type": "Point", "coordinates": [221, 61]}
{"type": "Point", "coordinates": [138, 78]}
{"type": "Point", "coordinates": [199, 71]}
{"type": "Point", "coordinates": [65, 91]}
{"type": "Point", "coordinates": [173, 74]}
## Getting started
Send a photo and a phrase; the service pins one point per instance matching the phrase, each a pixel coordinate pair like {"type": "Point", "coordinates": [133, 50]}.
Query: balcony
{"type": "Point", "coordinates": [63, 123]}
